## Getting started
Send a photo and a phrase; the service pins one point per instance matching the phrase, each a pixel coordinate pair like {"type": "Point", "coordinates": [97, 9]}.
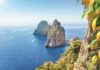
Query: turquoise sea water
{"type": "Point", "coordinates": [21, 50]}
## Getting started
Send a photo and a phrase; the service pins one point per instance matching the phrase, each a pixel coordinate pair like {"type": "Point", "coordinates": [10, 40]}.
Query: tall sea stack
{"type": "Point", "coordinates": [56, 35]}
{"type": "Point", "coordinates": [42, 28]}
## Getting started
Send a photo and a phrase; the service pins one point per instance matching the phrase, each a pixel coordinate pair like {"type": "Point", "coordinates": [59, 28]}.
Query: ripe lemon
{"type": "Point", "coordinates": [98, 36]}
{"type": "Point", "coordinates": [91, 2]}
{"type": "Point", "coordinates": [94, 59]}
{"type": "Point", "coordinates": [99, 53]}
{"type": "Point", "coordinates": [96, 22]}
{"type": "Point", "coordinates": [94, 44]}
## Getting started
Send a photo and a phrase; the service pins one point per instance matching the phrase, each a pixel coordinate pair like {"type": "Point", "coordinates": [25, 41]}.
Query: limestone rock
{"type": "Point", "coordinates": [42, 28]}
{"type": "Point", "coordinates": [56, 35]}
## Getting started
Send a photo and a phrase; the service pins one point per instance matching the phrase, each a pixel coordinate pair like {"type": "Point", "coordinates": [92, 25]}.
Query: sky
{"type": "Point", "coordinates": [28, 12]}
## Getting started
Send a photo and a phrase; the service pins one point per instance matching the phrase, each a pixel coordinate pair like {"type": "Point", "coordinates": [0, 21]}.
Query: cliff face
{"type": "Point", "coordinates": [43, 28]}
{"type": "Point", "coordinates": [56, 35]}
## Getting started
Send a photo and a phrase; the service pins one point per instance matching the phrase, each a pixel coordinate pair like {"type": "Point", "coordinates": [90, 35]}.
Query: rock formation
{"type": "Point", "coordinates": [42, 28]}
{"type": "Point", "coordinates": [56, 35]}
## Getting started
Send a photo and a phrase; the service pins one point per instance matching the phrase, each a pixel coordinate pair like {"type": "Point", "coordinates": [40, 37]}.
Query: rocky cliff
{"type": "Point", "coordinates": [56, 35]}
{"type": "Point", "coordinates": [42, 28]}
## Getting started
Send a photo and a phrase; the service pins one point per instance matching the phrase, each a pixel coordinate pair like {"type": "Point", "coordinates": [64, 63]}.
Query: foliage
{"type": "Point", "coordinates": [88, 9]}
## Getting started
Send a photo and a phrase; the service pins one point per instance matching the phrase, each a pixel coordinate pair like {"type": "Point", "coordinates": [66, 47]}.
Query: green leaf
{"type": "Point", "coordinates": [86, 9]}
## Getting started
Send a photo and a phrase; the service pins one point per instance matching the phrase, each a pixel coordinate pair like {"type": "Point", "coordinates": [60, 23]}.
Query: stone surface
{"type": "Point", "coordinates": [42, 28]}
{"type": "Point", "coordinates": [56, 35]}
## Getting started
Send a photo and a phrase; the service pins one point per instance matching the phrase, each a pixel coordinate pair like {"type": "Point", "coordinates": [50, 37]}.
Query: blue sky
{"type": "Point", "coordinates": [27, 12]}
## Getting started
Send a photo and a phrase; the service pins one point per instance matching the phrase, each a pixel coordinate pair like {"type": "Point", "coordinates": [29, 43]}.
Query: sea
{"type": "Point", "coordinates": [21, 50]}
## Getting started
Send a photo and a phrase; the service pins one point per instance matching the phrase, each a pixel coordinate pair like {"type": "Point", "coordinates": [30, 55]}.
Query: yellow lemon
{"type": "Point", "coordinates": [98, 36]}
{"type": "Point", "coordinates": [94, 59]}
{"type": "Point", "coordinates": [96, 22]}
{"type": "Point", "coordinates": [94, 44]}
{"type": "Point", "coordinates": [99, 53]}
{"type": "Point", "coordinates": [91, 2]}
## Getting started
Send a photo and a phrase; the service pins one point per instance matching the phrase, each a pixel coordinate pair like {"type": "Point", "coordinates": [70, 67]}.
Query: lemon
{"type": "Point", "coordinates": [96, 23]}
{"type": "Point", "coordinates": [98, 36]}
{"type": "Point", "coordinates": [99, 53]}
{"type": "Point", "coordinates": [94, 59]}
{"type": "Point", "coordinates": [94, 44]}
{"type": "Point", "coordinates": [91, 2]}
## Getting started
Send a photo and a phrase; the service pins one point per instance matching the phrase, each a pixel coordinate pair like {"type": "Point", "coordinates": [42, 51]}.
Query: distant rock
{"type": "Point", "coordinates": [42, 28]}
{"type": "Point", "coordinates": [56, 35]}
{"type": "Point", "coordinates": [74, 39]}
